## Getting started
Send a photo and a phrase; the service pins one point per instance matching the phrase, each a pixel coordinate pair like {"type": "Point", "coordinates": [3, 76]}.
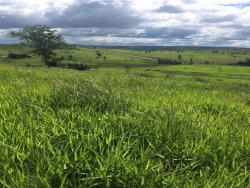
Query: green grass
{"type": "Point", "coordinates": [89, 57]}
{"type": "Point", "coordinates": [79, 56]}
{"type": "Point", "coordinates": [173, 126]}
{"type": "Point", "coordinates": [119, 57]}
{"type": "Point", "coordinates": [229, 56]}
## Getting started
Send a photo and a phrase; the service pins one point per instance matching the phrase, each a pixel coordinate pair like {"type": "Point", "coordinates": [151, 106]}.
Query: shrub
{"type": "Point", "coordinates": [70, 57]}
{"type": "Point", "coordinates": [77, 66]}
{"type": "Point", "coordinates": [98, 54]}
{"type": "Point", "coordinates": [167, 61]}
{"type": "Point", "coordinates": [53, 63]}
{"type": "Point", "coordinates": [206, 62]}
{"type": "Point", "coordinates": [191, 60]}
{"type": "Point", "coordinates": [244, 63]}
{"type": "Point", "coordinates": [18, 56]}
{"type": "Point", "coordinates": [105, 58]}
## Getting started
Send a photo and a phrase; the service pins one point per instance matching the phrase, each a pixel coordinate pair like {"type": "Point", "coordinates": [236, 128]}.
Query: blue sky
{"type": "Point", "coordinates": [134, 22]}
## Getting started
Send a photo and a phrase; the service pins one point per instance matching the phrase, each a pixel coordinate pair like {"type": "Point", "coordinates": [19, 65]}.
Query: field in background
{"type": "Point", "coordinates": [193, 56]}
{"type": "Point", "coordinates": [135, 124]}
{"type": "Point", "coordinates": [75, 55]}
{"type": "Point", "coordinates": [120, 57]}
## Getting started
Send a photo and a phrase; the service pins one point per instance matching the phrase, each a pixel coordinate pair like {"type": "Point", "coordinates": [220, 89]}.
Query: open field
{"type": "Point", "coordinates": [120, 57]}
{"type": "Point", "coordinates": [134, 124]}
{"type": "Point", "coordinates": [76, 55]}
{"type": "Point", "coordinates": [193, 56]}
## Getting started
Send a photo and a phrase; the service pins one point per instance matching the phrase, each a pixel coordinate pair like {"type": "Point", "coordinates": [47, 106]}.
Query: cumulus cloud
{"type": "Point", "coordinates": [13, 21]}
{"type": "Point", "coordinates": [94, 14]}
{"type": "Point", "coordinates": [170, 9]}
{"type": "Point", "coordinates": [131, 22]}
{"type": "Point", "coordinates": [149, 32]}
{"type": "Point", "coordinates": [100, 32]}
{"type": "Point", "coordinates": [168, 32]}
{"type": "Point", "coordinates": [218, 18]}
{"type": "Point", "coordinates": [79, 15]}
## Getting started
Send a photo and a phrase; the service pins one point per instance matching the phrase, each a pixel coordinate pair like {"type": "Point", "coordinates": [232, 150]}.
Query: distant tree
{"type": "Point", "coordinates": [70, 57]}
{"type": "Point", "coordinates": [42, 40]}
{"type": "Point", "coordinates": [105, 58]}
{"type": "Point", "coordinates": [191, 60]}
{"type": "Point", "coordinates": [99, 54]}
{"type": "Point", "coordinates": [179, 58]}
{"type": "Point", "coordinates": [206, 62]}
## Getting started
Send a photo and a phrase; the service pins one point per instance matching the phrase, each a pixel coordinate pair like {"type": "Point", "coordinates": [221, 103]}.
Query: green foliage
{"type": "Point", "coordinates": [18, 56]}
{"type": "Point", "coordinates": [167, 62]}
{"type": "Point", "coordinates": [77, 66]}
{"type": "Point", "coordinates": [130, 58]}
{"type": "Point", "coordinates": [98, 54]}
{"type": "Point", "coordinates": [245, 63]}
{"type": "Point", "coordinates": [42, 40]}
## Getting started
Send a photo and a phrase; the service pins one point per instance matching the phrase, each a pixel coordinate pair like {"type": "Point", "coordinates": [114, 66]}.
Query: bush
{"type": "Point", "coordinates": [18, 56]}
{"type": "Point", "coordinates": [55, 61]}
{"type": "Point", "coordinates": [70, 57]}
{"type": "Point", "coordinates": [206, 62]}
{"type": "Point", "coordinates": [244, 63]}
{"type": "Point", "coordinates": [77, 66]}
{"type": "Point", "coordinates": [98, 54]}
{"type": "Point", "coordinates": [167, 62]}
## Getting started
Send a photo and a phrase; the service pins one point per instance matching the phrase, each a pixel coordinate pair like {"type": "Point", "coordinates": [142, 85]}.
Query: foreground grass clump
{"type": "Point", "coordinates": [114, 128]}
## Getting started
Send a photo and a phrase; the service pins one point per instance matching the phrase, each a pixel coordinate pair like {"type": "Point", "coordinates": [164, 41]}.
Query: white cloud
{"type": "Point", "coordinates": [223, 22]}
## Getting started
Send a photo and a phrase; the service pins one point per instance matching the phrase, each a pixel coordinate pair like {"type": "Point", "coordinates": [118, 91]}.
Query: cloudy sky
{"type": "Point", "coordinates": [134, 22]}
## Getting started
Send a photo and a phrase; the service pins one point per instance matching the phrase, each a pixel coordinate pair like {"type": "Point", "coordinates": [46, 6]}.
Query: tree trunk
{"type": "Point", "coordinates": [47, 62]}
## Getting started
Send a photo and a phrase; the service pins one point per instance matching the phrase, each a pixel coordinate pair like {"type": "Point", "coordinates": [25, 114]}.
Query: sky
{"type": "Point", "coordinates": [134, 22]}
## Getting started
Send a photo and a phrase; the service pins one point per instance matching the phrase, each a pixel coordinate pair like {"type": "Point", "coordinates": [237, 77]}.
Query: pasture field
{"type": "Point", "coordinates": [138, 57]}
{"type": "Point", "coordinates": [191, 56]}
{"type": "Point", "coordinates": [123, 126]}
{"type": "Point", "coordinates": [75, 55]}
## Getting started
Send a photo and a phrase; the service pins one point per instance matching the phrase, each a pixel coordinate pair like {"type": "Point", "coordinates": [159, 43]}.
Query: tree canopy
{"type": "Point", "coordinates": [42, 39]}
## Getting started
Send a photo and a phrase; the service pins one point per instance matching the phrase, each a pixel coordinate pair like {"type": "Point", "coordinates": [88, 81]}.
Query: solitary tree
{"type": "Point", "coordinates": [42, 40]}
{"type": "Point", "coordinates": [98, 53]}
{"type": "Point", "coordinates": [105, 58]}
{"type": "Point", "coordinates": [179, 58]}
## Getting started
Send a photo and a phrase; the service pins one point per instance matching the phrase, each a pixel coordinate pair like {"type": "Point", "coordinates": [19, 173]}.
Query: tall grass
{"type": "Point", "coordinates": [110, 128]}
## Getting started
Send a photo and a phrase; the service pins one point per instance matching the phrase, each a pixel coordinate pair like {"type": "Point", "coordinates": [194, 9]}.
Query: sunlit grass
{"type": "Point", "coordinates": [120, 128]}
